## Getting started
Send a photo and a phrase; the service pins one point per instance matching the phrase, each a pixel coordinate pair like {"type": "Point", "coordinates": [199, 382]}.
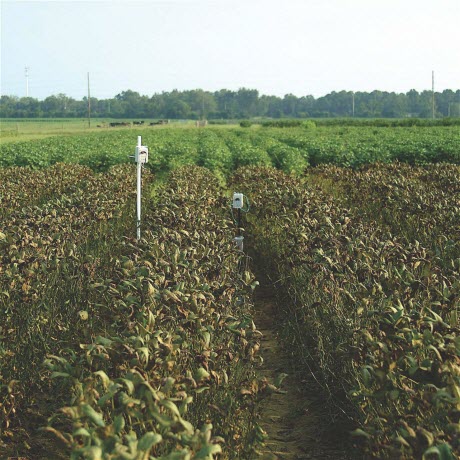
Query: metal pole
{"type": "Point", "coordinates": [139, 169]}
{"type": "Point", "coordinates": [240, 233]}
{"type": "Point", "coordinates": [240, 238]}
{"type": "Point", "coordinates": [432, 94]}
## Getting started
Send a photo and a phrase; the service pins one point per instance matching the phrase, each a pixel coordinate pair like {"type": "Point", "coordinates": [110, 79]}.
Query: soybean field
{"type": "Point", "coordinates": [335, 334]}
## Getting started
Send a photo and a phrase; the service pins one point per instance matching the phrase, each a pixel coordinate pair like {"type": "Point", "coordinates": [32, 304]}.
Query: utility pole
{"type": "Point", "coordinates": [353, 104]}
{"type": "Point", "coordinates": [27, 81]}
{"type": "Point", "coordinates": [432, 94]}
{"type": "Point", "coordinates": [89, 105]}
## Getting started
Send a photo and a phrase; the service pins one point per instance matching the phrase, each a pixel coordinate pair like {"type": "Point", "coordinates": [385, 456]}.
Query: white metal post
{"type": "Point", "coordinates": [139, 190]}
{"type": "Point", "coordinates": [141, 156]}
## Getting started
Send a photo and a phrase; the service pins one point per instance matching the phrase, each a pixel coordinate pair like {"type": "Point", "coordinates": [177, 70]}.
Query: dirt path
{"type": "Point", "coordinates": [294, 419]}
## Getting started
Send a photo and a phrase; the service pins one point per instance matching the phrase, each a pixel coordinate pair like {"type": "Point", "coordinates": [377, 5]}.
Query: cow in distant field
{"type": "Point", "coordinates": [119, 123]}
{"type": "Point", "coordinates": [138, 123]}
{"type": "Point", "coordinates": [159, 122]}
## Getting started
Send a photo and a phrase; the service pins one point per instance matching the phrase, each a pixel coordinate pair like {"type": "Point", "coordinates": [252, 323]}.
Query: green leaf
{"type": "Point", "coordinates": [206, 337]}
{"type": "Point", "coordinates": [128, 384]}
{"type": "Point", "coordinates": [144, 351]}
{"type": "Point", "coordinates": [105, 379]}
{"type": "Point", "coordinates": [94, 416]}
{"type": "Point", "coordinates": [171, 406]}
{"type": "Point", "coordinates": [207, 451]}
{"type": "Point", "coordinates": [81, 432]}
{"type": "Point", "coordinates": [103, 341]}
{"type": "Point", "coordinates": [187, 425]}
{"type": "Point", "coordinates": [453, 318]}
{"type": "Point", "coordinates": [402, 441]}
{"type": "Point", "coordinates": [201, 390]}
{"type": "Point", "coordinates": [149, 440]}
{"type": "Point", "coordinates": [442, 452]}
{"type": "Point", "coordinates": [367, 378]}
{"type": "Point", "coordinates": [92, 453]}
{"type": "Point", "coordinates": [118, 423]}
{"type": "Point", "coordinates": [426, 434]}
{"type": "Point", "coordinates": [201, 374]}
{"type": "Point", "coordinates": [279, 379]}
{"type": "Point", "coordinates": [360, 433]}
{"type": "Point", "coordinates": [55, 375]}
{"type": "Point", "coordinates": [164, 420]}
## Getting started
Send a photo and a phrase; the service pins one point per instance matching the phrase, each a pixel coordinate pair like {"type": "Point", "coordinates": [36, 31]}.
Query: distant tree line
{"type": "Point", "coordinates": [244, 103]}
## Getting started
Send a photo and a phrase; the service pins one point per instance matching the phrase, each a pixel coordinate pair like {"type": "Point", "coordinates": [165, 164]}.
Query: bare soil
{"type": "Point", "coordinates": [294, 418]}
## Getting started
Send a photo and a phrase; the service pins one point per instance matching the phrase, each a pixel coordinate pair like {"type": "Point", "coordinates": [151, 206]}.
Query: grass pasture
{"type": "Point", "coordinates": [13, 130]}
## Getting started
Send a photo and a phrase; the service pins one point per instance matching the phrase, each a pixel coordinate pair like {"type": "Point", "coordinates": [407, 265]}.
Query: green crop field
{"type": "Point", "coordinates": [290, 149]}
{"type": "Point", "coordinates": [117, 348]}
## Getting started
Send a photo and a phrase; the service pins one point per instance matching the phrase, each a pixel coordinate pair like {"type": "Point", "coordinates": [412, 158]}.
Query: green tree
{"type": "Point", "coordinates": [247, 102]}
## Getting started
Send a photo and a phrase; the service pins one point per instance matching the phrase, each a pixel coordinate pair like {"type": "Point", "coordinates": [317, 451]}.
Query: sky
{"type": "Point", "coordinates": [300, 47]}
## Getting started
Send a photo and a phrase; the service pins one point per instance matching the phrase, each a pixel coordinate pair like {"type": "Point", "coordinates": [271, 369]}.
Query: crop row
{"type": "Point", "coordinates": [21, 187]}
{"type": "Point", "coordinates": [38, 244]}
{"type": "Point", "coordinates": [284, 157]}
{"type": "Point", "coordinates": [99, 151]}
{"type": "Point", "coordinates": [227, 149]}
{"type": "Point", "coordinates": [417, 203]}
{"type": "Point", "coordinates": [357, 146]}
{"type": "Point", "coordinates": [179, 349]}
{"type": "Point", "coordinates": [153, 339]}
{"type": "Point", "coordinates": [372, 313]}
